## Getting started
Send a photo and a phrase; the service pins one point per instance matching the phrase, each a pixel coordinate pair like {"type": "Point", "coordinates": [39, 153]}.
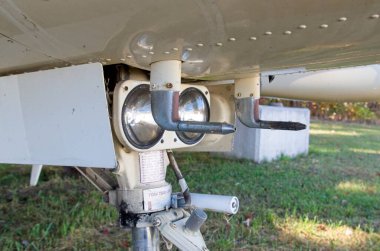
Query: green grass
{"type": "Point", "coordinates": [328, 200]}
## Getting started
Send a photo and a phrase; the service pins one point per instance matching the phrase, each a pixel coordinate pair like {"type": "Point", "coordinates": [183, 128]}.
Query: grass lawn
{"type": "Point", "coordinates": [328, 200]}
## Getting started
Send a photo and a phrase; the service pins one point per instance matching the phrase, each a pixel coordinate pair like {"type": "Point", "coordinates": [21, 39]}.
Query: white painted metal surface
{"type": "Point", "coordinates": [348, 84]}
{"type": "Point", "coordinates": [56, 117]}
{"type": "Point", "coordinates": [35, 174]}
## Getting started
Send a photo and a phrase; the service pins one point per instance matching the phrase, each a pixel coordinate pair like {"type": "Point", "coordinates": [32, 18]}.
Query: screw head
{"type": "Point", "coordinates": [302, 27]}
{"type": "Point", "coordinates": [342, 19]}
{"type": "Point", "coordinates": [169, 85]}
{"type": "Point", "coordinates": [156, 222]}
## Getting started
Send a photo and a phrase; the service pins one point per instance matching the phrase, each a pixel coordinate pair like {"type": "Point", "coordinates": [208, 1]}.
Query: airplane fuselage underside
{"type": "Point", "coordinates": [215, 40]}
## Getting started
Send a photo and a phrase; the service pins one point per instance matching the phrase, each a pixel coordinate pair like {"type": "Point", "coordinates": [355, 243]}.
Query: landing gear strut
{"type": "Point", "coordinates": [148, 206]}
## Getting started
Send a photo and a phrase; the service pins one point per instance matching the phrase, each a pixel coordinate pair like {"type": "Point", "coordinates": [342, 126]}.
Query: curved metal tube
{"type": "Point", "coordinates": [165, 105]}
{"type": "Point", "coordinates": [248, 112]}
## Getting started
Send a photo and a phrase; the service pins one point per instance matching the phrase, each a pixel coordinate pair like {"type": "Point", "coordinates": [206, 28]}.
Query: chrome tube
{"type": "Point", "coordinates": [145, 239]}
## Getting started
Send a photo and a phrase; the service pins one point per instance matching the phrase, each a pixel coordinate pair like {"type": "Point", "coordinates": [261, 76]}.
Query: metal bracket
{"type": "Point", "coordinates": [171, 225]}
{"type": "Point", "coordinates": [248, 112]}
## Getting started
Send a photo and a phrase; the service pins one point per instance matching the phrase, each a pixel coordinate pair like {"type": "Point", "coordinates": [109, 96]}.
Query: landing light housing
{"type": "Point", "coordinates": [134, 124]}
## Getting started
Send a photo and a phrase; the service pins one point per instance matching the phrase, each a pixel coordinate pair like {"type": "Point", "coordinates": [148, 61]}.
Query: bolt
{"type": "Point", "coordinates": [239, 94]}
{"type": "Point", "coordinates": [206, 92]}
{"type": "Point", "coordinates": [125, 88]}
{"type": "Point", "coordinates": [156, 222]}
{"type": "Point", "coordinates": [169, 85]}
{"type": "Point", "coordinates": [251, 95]}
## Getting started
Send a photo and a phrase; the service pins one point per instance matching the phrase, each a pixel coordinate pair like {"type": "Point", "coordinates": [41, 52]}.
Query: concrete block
{"type": "Point", "coordinates": [266, 145]}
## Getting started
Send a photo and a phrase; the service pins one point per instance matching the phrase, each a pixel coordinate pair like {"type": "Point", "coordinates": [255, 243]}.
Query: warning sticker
{"type": "Point", "coordinates": [157, 198]}
{"type": "Point", "coordinates": [152, 166]}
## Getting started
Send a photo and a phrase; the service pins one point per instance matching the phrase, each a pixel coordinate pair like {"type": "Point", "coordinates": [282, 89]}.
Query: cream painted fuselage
{"type": "Point", "coordinates": [214, 39]}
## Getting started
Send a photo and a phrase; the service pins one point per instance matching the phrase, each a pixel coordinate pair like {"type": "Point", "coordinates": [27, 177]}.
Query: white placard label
{"type": "Point", "coordinates": [157, 198]}
{"type": "Point", "coordinates": [152, 167]}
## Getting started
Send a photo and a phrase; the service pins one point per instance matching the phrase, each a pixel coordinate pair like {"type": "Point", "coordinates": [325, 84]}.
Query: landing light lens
{"type": "Point", "coordinates": [193, 106]}
{"type": "Point", "coordinates": [138, 124]}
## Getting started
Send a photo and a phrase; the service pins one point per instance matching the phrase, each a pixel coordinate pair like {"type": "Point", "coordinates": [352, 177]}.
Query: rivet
{"type": "Point", "coordinates": [167, 52]}
{"type": "Point", "coordinates": [108, 59]}
{"type": "Point", "coordinates": [122, 59]}
{"type": "Point", "coordinates": [287, 32]}
{"type": "Point", "coordinates": [324, 26]}
{"type": "Point", "coordinates": [125, 88]}
{"type": "Point", "coordinates": [239, 94]}
{"type": "Point", "coordinates": [143, 56]}
{"type": "Point", "coordinates": [302, 27]}
{"type": "Point", "coordinates": [175, 49]}
{"type": "Point", "coordinates": [251, 95]}
{"type": "Point", "coordinates": [342, 19]}
{"type": "Point", "coordinates": [253, 38]}
{"type": "Point", "coordinates": [175, 140]}
{"type": "Point", "coordinates": [169, 85]}
{"type": "Point", "coordinates": [375, 16]}
{"type": "Point", "coordinates": [232, 39]}
{"type": "Point", "coordinates": [268, 33]}
{"type": "Point", "coordinates": [162, 141]}
{"type": "Point", "coordinates": [189, 49]}
{"type": "Point", "coordinates": [151, 52]}
{"type": "Point", "coordinates": [129, 56]}
{"type": "Point", "coordinates": [200, 45]}
{"type": "Point", "coordinates": [206, 92]}
{"type": "Point", "coordinates": [219, 44]}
